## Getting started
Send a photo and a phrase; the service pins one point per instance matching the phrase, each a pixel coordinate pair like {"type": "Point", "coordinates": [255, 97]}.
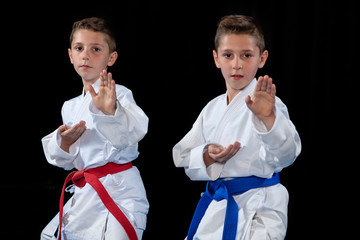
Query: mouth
{"type": "Point", "coordinates": [85, 66]}
{"type": "Point", "coordinates": [237, 76]}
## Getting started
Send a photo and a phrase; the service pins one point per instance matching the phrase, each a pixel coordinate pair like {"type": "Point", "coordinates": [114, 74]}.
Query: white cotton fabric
{"type": "Point", "coordinates": [106, 139]}
{"type": "Point", "coordinates": [262, 211]}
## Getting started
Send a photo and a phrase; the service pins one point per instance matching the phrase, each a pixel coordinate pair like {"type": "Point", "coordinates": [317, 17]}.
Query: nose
{"type": "Point", "coordinates": [85, 55]}
{"type": "Point", "coordinates": [237, 64]}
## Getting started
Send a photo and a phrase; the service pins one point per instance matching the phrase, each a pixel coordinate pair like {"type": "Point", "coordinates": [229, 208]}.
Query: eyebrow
{"type": "Point", "coordinates": [245, 50]}
{"type": "Point", "coordinates": [93, 44]}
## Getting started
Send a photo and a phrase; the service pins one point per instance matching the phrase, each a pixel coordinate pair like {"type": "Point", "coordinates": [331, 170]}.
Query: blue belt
{"type": "Point", "coordinates": [219, 190]}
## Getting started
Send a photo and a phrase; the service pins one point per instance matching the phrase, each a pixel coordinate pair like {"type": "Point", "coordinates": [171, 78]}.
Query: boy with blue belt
{"type": "Point", "coordinates": [239, 143]}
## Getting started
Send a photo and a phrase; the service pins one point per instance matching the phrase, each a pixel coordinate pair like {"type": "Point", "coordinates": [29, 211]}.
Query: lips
{"type": "Point", "coordinates": [237, 76]}
{"type": "Point", "coordinates": [85, 66]}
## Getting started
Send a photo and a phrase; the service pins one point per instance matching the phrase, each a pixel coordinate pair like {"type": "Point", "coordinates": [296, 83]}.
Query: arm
{"type": "Point", "coordinates": [281, 145]}
{"type": "Point", "coordinates": [124, 127]}
{"type": "Point", "coordinates": [55, 155]}
{"type": "Point", "coordinates": [201, 161]}
{"type": "Point", "coordinates": [280, 142]}
{"type": "Point", "coordinates": [61, 146]}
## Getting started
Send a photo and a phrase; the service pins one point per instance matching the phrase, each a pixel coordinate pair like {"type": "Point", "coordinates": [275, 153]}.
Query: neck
{"type": "Point", "coordinates": [231, 93]}
{"type": "Point", "coordinates": [88, 83]}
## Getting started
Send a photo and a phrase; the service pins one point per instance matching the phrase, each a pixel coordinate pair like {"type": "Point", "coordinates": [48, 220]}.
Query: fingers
{"type": "Point", "coordinates": [220, 154]}
{"type": "Point", "coordinates": [106, 79]}
{"type": "Point", "coordinates": [79, 128]}
{"type": "Point", "coordinates": [265, 84]}
{"type": "Point", "coordinates": [273, 90]}
{"type": "Point", "coordinates": [73, 132]}
{"type": "Point", "coordinates": [103, 78]}
{"type": "Point", "coordinates": [259, 83]}
{"type": "Point", "coordinates": [233, 149]}
{"type": "Point", "coordinates": [215, 149]}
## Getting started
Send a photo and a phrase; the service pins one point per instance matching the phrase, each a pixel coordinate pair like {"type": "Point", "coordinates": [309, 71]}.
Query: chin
{"type": "Point", "coordinates": [88, 78]}
{"type": "Point", "coordinates": [238, 87]}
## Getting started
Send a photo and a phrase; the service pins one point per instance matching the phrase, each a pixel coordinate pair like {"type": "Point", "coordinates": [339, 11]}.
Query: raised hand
{"type": "Point", "coordinates": [263, 102]}
{"type": "Point", "coordinates": [70, 135]}
{"type": "Point", "coordinates": [105, 99]}
{"type": "Point", "coordinates": [216, 153]}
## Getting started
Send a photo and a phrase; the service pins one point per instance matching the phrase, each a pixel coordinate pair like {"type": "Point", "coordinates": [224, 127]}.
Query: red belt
{"type": "Point", "coordinates": [91, 176]}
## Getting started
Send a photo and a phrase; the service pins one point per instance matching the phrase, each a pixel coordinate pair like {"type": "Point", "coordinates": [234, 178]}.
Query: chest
{"type": "Point", "coordinates": [76, 110]}
{"type": "Point", "coordinates": [226, 124]}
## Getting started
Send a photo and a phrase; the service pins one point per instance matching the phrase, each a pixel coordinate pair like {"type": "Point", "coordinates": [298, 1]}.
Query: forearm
{"type": "Point", "coordinates": [126, 127]}
{"type": "Point", "coordinates": [281, 144]}
{"type": "Point", "coordinates": [55, 155]}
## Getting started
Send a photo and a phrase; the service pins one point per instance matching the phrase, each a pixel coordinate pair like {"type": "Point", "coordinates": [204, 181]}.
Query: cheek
{"type": "Point", "coordinates": [74, 58]}
{"type": "Point", "coordinates": [252, 67]}
{"type": "Point", "coordinates": [225, 68]}
{"type": "Point", "coordinates": [101, 62]}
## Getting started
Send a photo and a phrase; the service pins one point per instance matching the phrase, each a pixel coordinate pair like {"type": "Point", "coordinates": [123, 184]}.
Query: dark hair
{"type": "Point", "coordinates": [240, 24]}
{"type": "Point", "coordinates": [97, 25]}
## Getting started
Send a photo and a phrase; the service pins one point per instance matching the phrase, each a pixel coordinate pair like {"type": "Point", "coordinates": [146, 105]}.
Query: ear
{"type": "Point", "coordinates": [70, 56]}
{"type": "Point", "coordinates": [112, 58]}
{"type": "Point", "coordinates": [216, 59]}
{"type": "Point", "coordinates": [263, 58]}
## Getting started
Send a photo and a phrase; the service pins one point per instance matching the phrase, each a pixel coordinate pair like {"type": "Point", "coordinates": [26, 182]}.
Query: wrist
{"type": "Point", "coordinates": [64, 146]}
{"type": "Point", "coordinates": [268, 120]}
{"type": "Point", "coordinates": [207, 159]}
{"type": "Point", "coordinates": [110, 111]}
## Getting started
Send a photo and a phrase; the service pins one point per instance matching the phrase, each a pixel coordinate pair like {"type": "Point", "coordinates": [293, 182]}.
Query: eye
{"type": "Point", "coordinates": [247, 55]}
{"type": "Point", "coordinates": [78, 48]}
{"type": "Point", "coordinates": [96, 49]}
{"type": "Point", "coordinates": [227, 55]}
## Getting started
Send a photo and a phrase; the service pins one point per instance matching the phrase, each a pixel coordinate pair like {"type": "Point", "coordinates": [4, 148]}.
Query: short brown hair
{"type": "Point", "coordinates": [240, 24]}
{"type": "Point", "coordinates": [97, 25]}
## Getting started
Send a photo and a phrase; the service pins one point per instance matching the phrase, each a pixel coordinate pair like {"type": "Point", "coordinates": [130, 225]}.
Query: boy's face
{"type": "Point", "coordinates": [89, 53]}
{"type": "Point", "coordinates": [238, 57]}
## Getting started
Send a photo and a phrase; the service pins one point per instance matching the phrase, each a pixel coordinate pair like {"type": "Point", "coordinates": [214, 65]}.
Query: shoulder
{"type": "Point", "coordinates": [72, 101]}
{"type": "Point", "coordinates": [124, 94]}
{"type": "Point", "coordinates": [122, 90]}
{"type": "Point", "coordinates": [217, 100]}
{"type": "Point", "coordinates": [213, 107]}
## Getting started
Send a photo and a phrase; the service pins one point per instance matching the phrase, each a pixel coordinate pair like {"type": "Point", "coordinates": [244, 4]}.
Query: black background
{"type": "Point", "coordinates": [165, 58]}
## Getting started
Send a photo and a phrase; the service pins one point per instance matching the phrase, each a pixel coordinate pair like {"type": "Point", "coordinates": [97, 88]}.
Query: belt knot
{"type": "Point", "coordinates": [79, 178]}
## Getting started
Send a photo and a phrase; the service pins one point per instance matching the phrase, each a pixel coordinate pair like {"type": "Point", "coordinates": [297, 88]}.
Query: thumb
{"type": "Point", "coordinates": [92, 91]}
{"type": "Point", "coordinates": [62, 128]}
{"type": "Point", "coordinates": [214, 149]}
{"type": "Point", "coordinates": [248, 101]}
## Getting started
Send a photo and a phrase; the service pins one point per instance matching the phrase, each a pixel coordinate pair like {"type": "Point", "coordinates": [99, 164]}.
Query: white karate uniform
{"type": "Point", "coordinates": [106, 139]}
{"type": "Point", "coordinates": [262, 211]}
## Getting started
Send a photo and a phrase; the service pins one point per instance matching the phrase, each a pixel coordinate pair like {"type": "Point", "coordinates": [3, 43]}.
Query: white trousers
{"type": "Point", "coordinates": [262, 215]}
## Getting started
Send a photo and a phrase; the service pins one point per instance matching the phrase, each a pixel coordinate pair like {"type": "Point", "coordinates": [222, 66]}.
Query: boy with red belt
{"type": "Point", "coordinates": [99, 138]}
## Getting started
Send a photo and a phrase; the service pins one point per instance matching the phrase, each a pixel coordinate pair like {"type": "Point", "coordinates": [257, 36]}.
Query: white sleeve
{"type": "Point", "coordinates": [55, 155]}
{"type": "Point", "coordinates": [188, 153]}
{"type": "Point", "coordinates": [281, 145]}
{"type": "Point", "coordinates": [126, 127]}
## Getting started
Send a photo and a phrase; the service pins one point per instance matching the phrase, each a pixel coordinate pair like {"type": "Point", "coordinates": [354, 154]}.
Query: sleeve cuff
{"type": "Point", "coordinates": [197, 169]}
{"type": "Point", "coordinates": [277, 134]}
